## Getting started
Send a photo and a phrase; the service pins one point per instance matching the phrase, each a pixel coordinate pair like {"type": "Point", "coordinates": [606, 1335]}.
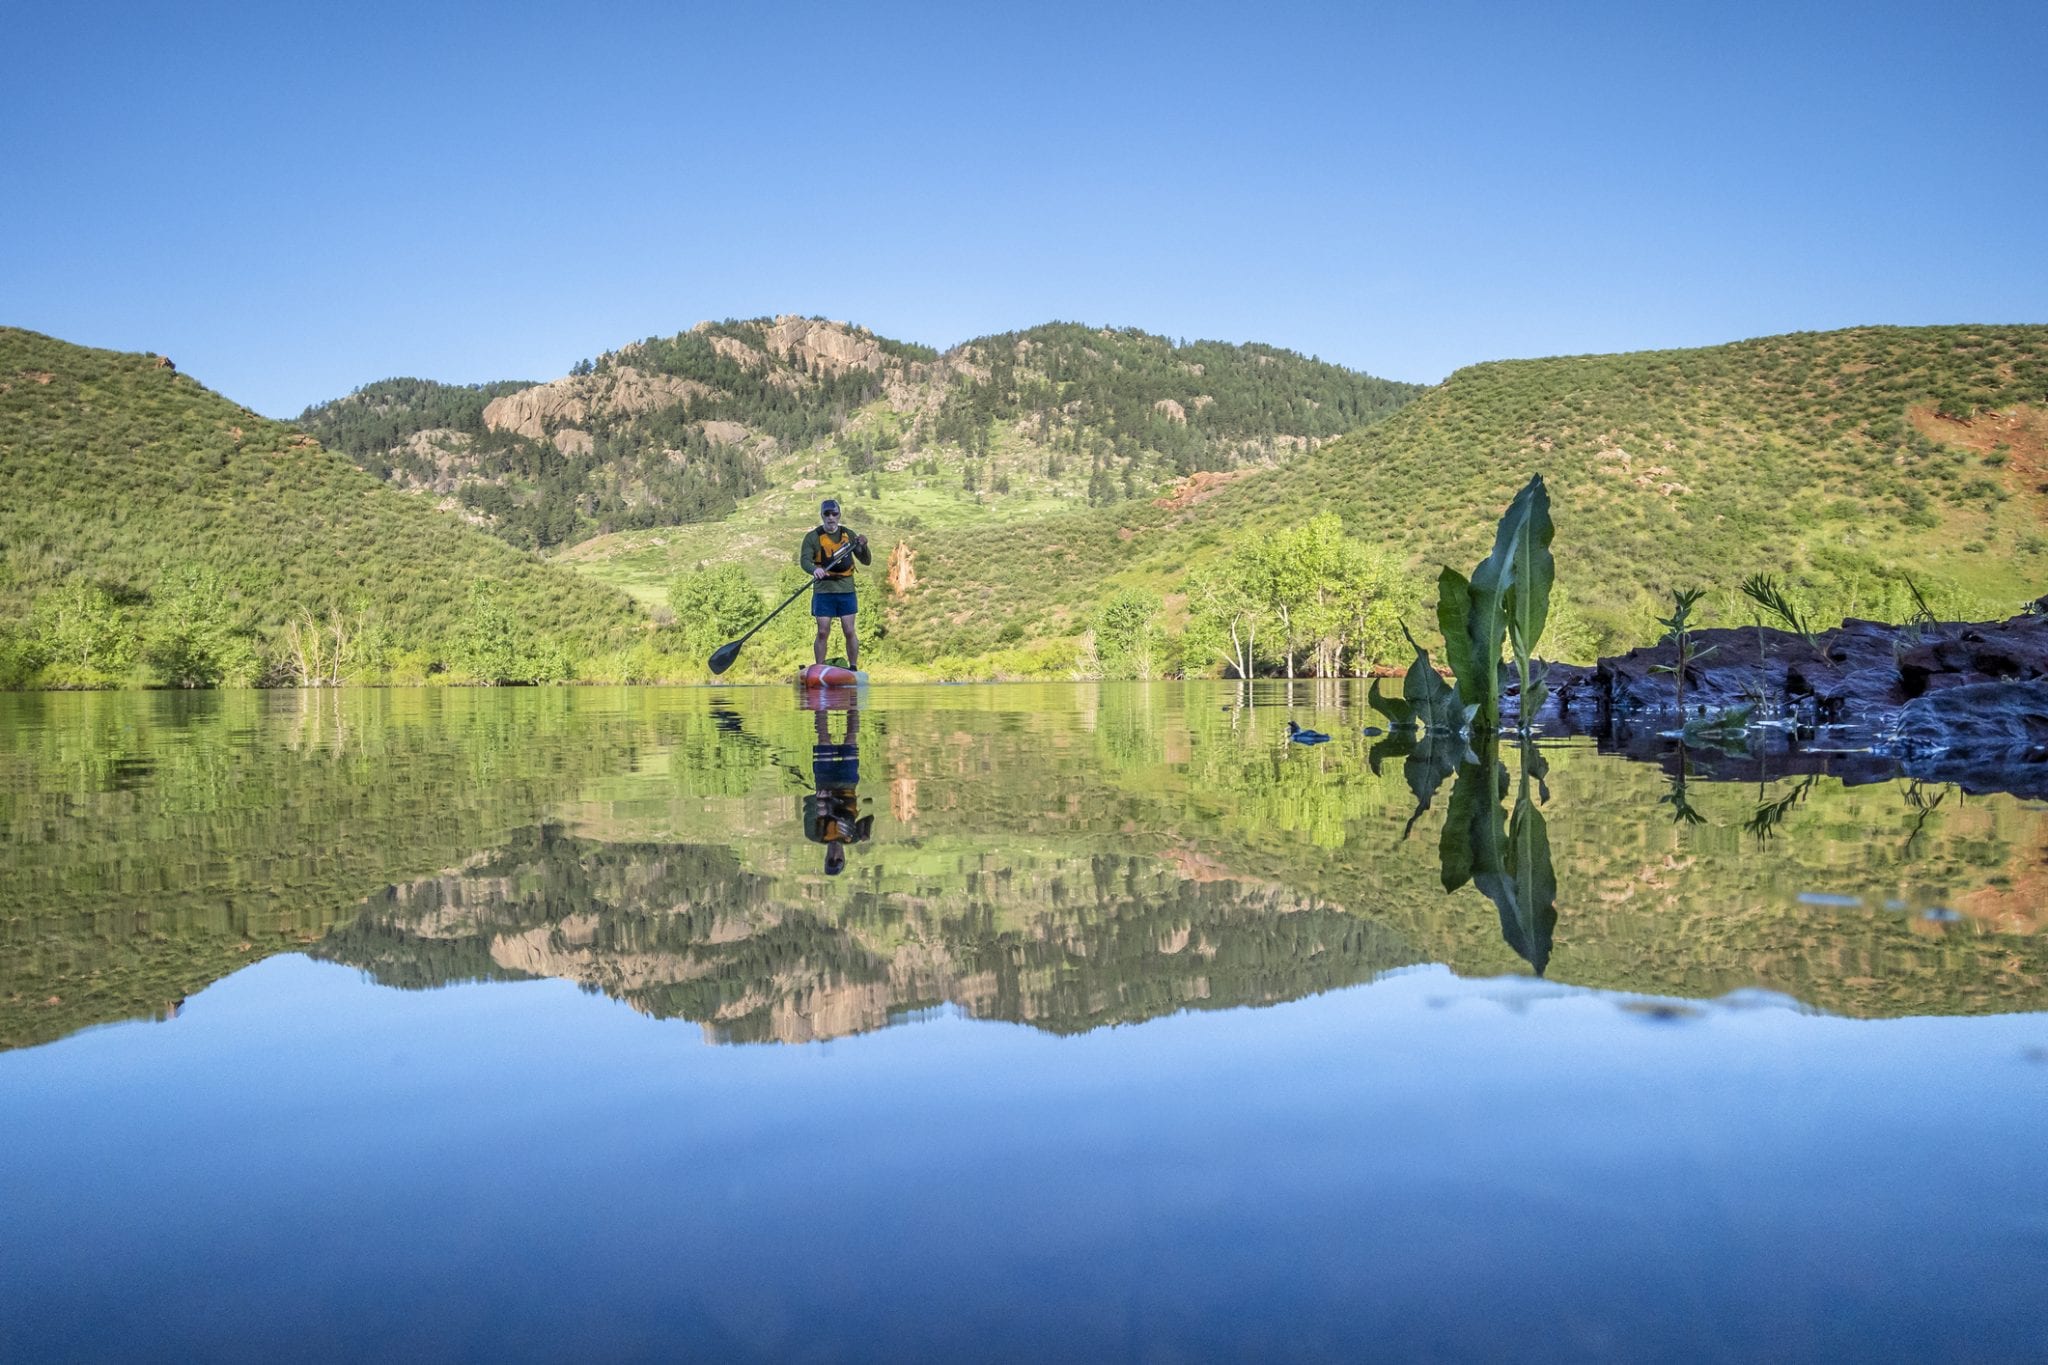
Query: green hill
{"type": "Point", "coordinates": [680, 430]}
{"type": "Point", "coordinates": [152, 530]}
{"type": "Point", "coordinates": [1847, 461]}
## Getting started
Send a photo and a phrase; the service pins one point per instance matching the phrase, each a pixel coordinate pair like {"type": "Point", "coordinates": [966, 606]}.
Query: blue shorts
{"type": "Point", "coordinates": [832, 604]}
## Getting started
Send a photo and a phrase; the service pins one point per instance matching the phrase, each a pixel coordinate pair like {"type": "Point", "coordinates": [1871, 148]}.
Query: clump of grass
{"type": "Point", "coordinates": [1768, 593]}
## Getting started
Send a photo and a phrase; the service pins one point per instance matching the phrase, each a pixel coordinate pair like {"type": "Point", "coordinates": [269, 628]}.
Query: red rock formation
{"type": "Point", "coordinates": [902, 577]}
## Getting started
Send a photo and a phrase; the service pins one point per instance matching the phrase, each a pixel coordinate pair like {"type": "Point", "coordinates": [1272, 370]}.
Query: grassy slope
{"type": "Point", "coordinates": [762, 535]}
{"type": "Point", "coordinates": [114, 470]}
{"type": "Point", "coordinates": [1816, 455]}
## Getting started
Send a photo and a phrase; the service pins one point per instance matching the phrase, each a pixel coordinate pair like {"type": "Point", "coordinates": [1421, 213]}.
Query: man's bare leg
{"type": "Point", "coordinates": [852, 642]}
{"type": "Point", "coordinates": [824, 637]}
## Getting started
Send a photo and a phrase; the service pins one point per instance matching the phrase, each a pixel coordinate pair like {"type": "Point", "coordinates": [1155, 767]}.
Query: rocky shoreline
{"type": "Point", "coordinates": [1950, 701]}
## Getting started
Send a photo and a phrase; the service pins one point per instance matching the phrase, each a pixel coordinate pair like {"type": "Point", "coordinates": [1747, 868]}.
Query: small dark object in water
{"type": "Point", "coordinates": [1372, 730]}
{"type": "Point", "coordinates": [1660, 1011]}
{"type": "Point", "coordinates": [1301, 736]}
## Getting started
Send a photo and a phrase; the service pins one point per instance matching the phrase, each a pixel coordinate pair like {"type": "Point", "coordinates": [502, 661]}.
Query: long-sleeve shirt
{"type": "Point", "coordinates": [819, 546]}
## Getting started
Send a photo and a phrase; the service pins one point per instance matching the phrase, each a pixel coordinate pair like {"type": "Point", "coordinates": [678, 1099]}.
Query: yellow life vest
{"type": "Point", "coordinates": [829, 545]}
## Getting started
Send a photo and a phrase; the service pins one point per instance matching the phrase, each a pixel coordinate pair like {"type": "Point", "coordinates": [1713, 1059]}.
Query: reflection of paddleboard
{"type": "Point", "coordinates": [825, 675]}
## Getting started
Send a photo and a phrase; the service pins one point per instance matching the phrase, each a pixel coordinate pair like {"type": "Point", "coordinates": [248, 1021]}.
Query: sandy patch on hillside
{"type": "Point", "coordinates": [2022, 429]}
{"type": "Point", "coordinates": [1200, 488]}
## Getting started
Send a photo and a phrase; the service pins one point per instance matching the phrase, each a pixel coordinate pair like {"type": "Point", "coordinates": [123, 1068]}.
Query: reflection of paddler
{"type": "Point", "coordinates": [832, 813]}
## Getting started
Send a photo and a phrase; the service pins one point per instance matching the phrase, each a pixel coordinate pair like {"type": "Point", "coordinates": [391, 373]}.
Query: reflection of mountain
{"type": "Point", "coordinates": [683, 931]}
{"type": "Point", "coordinates": [1067, 856]}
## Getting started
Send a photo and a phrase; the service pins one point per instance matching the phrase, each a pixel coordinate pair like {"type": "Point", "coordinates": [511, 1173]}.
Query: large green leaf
{"type": "Point", "coordinates": [1533, 570]}
{"type": "Point", "coordinates": [1454, 619]}
{"type": "Point", "coordinates": [1430, 699]}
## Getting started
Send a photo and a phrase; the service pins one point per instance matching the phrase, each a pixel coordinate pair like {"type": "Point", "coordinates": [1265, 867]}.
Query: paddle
{"type": "Point", "coordinates": [722, 657]}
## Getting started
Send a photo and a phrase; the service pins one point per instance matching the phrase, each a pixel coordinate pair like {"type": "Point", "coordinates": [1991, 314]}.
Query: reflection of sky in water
{"type": "Point", "coordinates": [304, 1162]}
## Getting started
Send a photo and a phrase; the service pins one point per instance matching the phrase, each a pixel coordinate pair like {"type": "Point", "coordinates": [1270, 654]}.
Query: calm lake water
{"type": "Point", "coordinates": [1065, 1022]}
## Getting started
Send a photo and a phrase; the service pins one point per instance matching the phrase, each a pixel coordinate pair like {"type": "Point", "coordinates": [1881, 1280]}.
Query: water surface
{"type": "Point", "coordinates": [1005, 1022]}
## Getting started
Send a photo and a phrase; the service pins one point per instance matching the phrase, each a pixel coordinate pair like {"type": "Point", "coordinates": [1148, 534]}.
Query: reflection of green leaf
{"type": "Point", "coordinates": [1508, 860]}
{"type": "Point", "coordinates": [1399, 744]}
{"type": "Point", "coordinates": [1527, 895]}
{"type": "Point", "coordinates": [1474, 824]}
{"type": "Point", "coordinates": [1400, 715]}
{"type": "Point", "coordinates": [1428, 760]}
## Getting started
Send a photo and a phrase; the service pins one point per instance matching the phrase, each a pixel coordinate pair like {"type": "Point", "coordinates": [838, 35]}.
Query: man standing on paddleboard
{"type": "Point", "coordinates": [832, 578]}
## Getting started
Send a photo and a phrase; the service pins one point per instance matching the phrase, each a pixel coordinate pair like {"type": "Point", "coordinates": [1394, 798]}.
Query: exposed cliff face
{"type": "Point", "coordinates": [573, 402]}
{"type": "Point", "coordinates": [831, 345]}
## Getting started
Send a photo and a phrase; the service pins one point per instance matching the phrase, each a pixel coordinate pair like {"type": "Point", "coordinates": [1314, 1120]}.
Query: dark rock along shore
{"type": "Point", "coordinates": [1951, 701]}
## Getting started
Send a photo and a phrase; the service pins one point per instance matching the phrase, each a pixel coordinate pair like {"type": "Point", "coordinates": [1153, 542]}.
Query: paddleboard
{"type": "Point", "coordinates": [826, 675]}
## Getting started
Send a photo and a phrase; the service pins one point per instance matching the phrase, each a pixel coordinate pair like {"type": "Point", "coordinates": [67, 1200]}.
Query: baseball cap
{"type": "Point", "coordinates": [828, 505]}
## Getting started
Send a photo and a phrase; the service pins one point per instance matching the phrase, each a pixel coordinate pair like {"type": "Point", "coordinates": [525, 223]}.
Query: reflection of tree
{"type": "Point", "coordinates": [180, 836]}
{"type": "Point", "coordinates": [1507, 856]}
{"type": "Point", "coordinates": [1259, 786]}
{"type": "Point", "coordinates": [1926, 801]}
{"type": "Point", "coordinates": [1127, 732]}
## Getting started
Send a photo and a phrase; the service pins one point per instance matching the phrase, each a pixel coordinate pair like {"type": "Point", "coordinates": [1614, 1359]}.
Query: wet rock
{"type": "Point", "coordinates": [1861, 673]}
{"type": "Point", "coordinates": [1989, 718]}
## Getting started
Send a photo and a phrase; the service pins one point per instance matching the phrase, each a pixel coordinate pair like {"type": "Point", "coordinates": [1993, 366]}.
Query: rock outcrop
{"type": "Point", "coordinates": [571, 402]}
{"type": "Point", "coordinates": [1954, 701]}
{"type": "Point", "coordinates": [1861, 673]}
{"type": "Point", "coordinates": [902, 573]}
{"type": "Point", "coordinates": [809, 343]}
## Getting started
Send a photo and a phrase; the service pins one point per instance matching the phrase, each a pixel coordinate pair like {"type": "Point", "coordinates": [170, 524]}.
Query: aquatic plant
{"type": "Point", "coordinates": [1678, 628]}
{"type": "Point", "coordinates": [1506, 600]}
{"type": "Point", "coordinates": [1425, 698]}
{"type": "Point", "coordinates": [1727, 729]}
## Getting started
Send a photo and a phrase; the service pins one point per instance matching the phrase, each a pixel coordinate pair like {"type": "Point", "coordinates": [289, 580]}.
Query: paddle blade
{"type": "Point", "coordinates": [722, 657]}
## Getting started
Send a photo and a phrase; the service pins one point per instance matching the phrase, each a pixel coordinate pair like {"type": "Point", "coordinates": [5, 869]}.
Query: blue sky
{"type": "Point", "coordinates": [294, 203]}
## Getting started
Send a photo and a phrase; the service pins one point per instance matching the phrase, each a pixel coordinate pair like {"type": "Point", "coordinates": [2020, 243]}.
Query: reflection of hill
{"type": "Point", "coordinates": [682, 931]}
{"type": "Point", "coordinates": [152, 843]}
{"type": "Point", "coordinates": [1066, 856]}
{"type": "Point", "coordinates": [1645, 904]}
